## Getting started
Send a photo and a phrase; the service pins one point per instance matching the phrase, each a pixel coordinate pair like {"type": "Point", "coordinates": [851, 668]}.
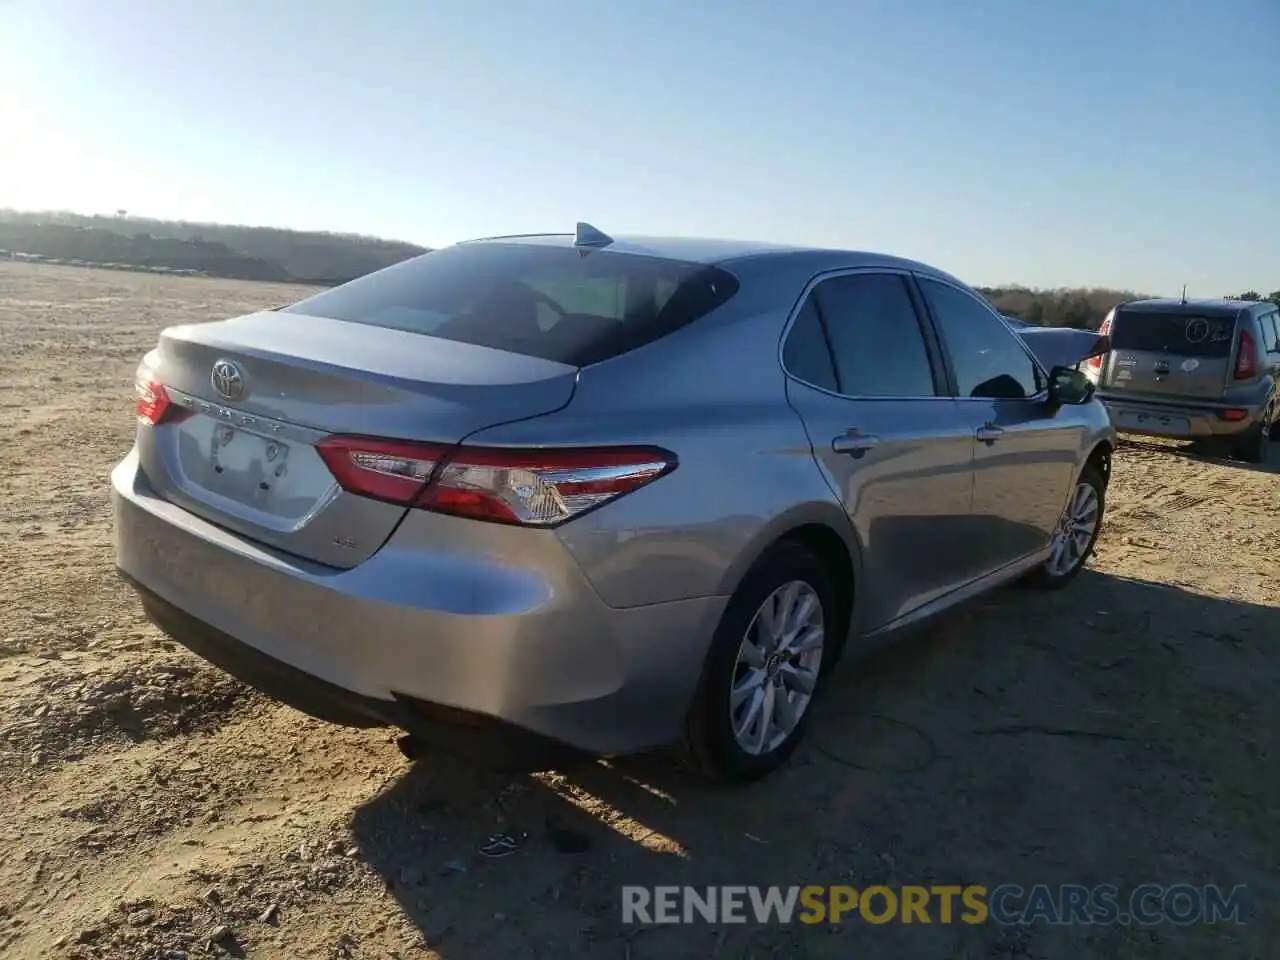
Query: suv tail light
{"type": "Point", "coordinates": [1095, 363]}
{"type": "Point", "coordinates": [1246, 356]}
{"type": "Point", "coordinates": [539, 487]}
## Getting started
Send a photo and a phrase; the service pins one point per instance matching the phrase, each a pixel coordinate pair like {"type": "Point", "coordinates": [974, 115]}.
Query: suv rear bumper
{"type": "Point", "coordinates": [1179, 421]}
{"type": "Point", "coordinates": [423, 627]}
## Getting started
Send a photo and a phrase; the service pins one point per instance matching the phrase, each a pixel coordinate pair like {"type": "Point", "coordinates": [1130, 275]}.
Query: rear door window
{"type": "Point", "coordinates": [540, 300]}
{"type": "Point", "coordinates": [1179, 334]}
{"type": "Point", "coordinates": [874, 332]}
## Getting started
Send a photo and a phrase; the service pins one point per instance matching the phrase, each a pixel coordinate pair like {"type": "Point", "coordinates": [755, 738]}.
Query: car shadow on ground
{"type": "Point", "coordinates": [1112, 732]}
{"type": "Point", "coordinates": [1189, 451]}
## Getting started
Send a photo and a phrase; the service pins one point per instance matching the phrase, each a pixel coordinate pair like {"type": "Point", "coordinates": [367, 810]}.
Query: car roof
{"type": "Point", "coordinates": [692, 249]}
{"type": "Point", "coordinates": [1176, 305]}
{"type": "Point", "coordinates": [718, 252]}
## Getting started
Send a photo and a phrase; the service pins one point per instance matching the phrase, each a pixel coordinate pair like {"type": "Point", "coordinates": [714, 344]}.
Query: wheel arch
{"type": "Point", "coordinates": [820, 527]}
{"type": "Point", "coordinates": [1100, 457]}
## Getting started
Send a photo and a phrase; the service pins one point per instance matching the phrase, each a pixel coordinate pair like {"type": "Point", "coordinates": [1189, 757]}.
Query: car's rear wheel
{"type": "Point", "coordinates": [1076, 533]}
{"type": "Point", "coordinates": [766, 664]}
{"type": "Point", "coordinates": [1253, 449]}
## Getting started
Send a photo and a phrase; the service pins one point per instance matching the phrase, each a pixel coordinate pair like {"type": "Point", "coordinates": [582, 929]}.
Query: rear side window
{"type": "Point", "coordinates": [874, 332]}
{"type": "Point", "coordinates": [539, 300]}
{"type": "Point", "coordinates": [1180, 334]}
{"type": "Point", "coordinates": [806, 354]}
{"type": "Point", "coordinates": [1271, 331]}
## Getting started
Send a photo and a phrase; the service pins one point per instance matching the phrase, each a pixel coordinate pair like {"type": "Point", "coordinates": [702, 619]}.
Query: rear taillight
{"type": "Point", "coordinates": [540, 487]}
{"type": "Point", "coordinates": [152, 400]}
{"type": "Point", "coordinates": [1095, 363]}
{"type": "Point", "coordinates": [533, 487]}
{"type": "Point", "coordinates": [383, 469]}
{"type": "Point", "coordinates": [1246, 356]}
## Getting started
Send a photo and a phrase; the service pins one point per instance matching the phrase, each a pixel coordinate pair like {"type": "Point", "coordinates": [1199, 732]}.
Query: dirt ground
{"type": "Point", "coordinates": [1113, 732]}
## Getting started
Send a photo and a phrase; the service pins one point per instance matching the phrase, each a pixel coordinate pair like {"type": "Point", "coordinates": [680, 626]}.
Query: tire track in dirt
{"type": "Point", "coordinates": [156, 825]}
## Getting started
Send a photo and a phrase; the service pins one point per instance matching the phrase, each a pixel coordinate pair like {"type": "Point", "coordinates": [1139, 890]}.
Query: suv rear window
{"type": "Point", "coordinates": [552, 302]}
{"type": "Point", "coordinates": [1181, 334]}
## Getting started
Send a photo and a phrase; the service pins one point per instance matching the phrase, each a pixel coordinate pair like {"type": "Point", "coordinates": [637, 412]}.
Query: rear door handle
{"type": "Point", "coordinates": [989, 433]}
{"type": "Point", "coordinates": [855, 444]}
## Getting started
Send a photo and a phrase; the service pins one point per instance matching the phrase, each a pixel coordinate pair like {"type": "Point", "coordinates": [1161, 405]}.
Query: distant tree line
{"type": "Point", "coordinates": [247, 253]}
{"type": "Point", "coordinates": [269, 253]}
{"type": "Point", "coordinates": [1081, 308]}
{"type": "Point", "coordinates": [1273, 296]}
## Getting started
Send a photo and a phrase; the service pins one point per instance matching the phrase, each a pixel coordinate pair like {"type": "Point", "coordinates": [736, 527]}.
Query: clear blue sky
{"type": "Point", "coordinates": [1131, 143]}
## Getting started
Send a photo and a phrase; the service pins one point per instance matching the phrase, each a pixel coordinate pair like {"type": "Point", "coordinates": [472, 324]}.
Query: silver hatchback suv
{"type": "Point", "coordinates": [597, 493]}
{"type": "Point", "coordinates": [1200, 370]}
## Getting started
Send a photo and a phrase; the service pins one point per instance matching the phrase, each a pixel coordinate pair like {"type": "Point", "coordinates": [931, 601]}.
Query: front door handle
{"type": "Point", "coordinates": [854, 443]}
{"type": "Point", "coordinates": [989, 433]}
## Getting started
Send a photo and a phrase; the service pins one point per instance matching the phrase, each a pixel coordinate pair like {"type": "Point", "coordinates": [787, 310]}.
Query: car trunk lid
{"type": "Point", "coordinates": [1170, 354]}
{"type": "Point", "coordinates": [259, 392]}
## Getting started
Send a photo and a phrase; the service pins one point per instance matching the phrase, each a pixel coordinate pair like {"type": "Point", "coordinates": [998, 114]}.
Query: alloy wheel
{"type": "Point", "coordinates": [1076, 527]}
{"type": "Point", "coordinates": [777, 668]}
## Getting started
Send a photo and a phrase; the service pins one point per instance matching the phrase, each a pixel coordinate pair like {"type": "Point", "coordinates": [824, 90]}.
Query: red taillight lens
{"type": "Point", "coordinates": [533, 487]}
{"type": "Point", "coordinates": [382, 469]}
{"type": "Point", "coordinates": [152, 400]}
{"type": "Point", "coordinates": [540, 487]}
{"type": "Point", "coordinates": [1234, 414]}
{"type": "Point", "coordinates": [1103, 331]}
{"type": "Point", "coordinates": [1246, 356]}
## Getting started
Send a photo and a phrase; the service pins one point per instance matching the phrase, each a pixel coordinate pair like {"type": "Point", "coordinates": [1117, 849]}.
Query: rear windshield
{"type": "Point", "coordinates": [557, 303]}
{"type": "Point", "coordinates": [1181, 334]}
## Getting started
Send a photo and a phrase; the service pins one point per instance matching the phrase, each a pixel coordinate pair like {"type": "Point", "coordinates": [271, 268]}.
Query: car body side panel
{"type": "Point", "coordinates": [676, 537]}
{"type": "Point", "coordinates": [908, 497]}
{"type": "Point", "coordinates": [713, 394]}
{"type": "Point", "coordinates": [1097, 429]}
{"type": "Point", "coordinates": [1022, 479]}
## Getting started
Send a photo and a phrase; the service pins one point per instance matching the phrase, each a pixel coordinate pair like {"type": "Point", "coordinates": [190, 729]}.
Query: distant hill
{"type": "Point", "coordinates": [327, 259]}
{"type": "Point", "coordinates": [209, 249]}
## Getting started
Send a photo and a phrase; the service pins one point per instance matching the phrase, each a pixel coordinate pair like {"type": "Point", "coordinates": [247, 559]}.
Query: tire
{"type": "Point", "coordinates": [1253, 449]}
{"type": "Point", "coordinates": [710, 744]}
{"type": "Point", "coordinates": [1051, 575]}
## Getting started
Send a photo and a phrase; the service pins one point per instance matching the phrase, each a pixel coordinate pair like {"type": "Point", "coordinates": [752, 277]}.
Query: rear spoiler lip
{"type": "Point", "coordinates": [1101, 347]}
{"type": "Point", "coordinates": [1047, 346]}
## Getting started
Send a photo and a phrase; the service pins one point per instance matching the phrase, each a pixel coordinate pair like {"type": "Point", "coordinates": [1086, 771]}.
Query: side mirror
{"type": "Point", "coordinates": [1068, 385]}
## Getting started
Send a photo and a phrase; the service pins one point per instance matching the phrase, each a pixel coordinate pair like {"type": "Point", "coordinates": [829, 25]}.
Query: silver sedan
{"type": "Point", "coordinates": [573, 493]}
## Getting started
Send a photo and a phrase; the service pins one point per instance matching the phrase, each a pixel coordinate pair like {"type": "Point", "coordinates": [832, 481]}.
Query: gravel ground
{"type": "Point", "coordinates": [1113, 732]}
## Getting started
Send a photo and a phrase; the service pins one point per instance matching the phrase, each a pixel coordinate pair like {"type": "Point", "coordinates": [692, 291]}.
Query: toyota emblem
{"type": "Point", "coordinates": [228, 380]}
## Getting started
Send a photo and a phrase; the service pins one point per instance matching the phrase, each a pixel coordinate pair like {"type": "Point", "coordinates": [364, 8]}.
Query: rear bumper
{"type": "Point", "coordinates": [1155, 418]}
{"type": "Point", "coordinates": [469, 735]}
{"type": "Point", "coordinates": [514, 640]}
